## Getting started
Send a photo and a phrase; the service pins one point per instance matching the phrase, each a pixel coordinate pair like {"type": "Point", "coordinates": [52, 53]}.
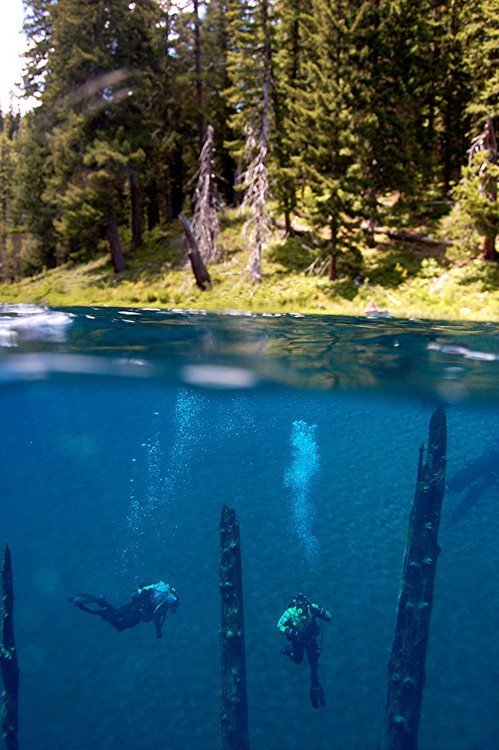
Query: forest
{"type": "Point", "coordinates": [315, 117]}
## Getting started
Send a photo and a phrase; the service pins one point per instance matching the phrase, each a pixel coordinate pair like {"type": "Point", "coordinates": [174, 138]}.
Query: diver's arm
{"type": "Point", "coordinates": [285, 625]}
{"type": "Point", "coordinates": [284, 622]}
{"type": "Point", "coordinates": [321, 613]}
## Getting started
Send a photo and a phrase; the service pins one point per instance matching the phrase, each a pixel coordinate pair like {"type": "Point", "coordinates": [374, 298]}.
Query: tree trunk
{"type": "Point", "coordinates": [199, 80]}
{"type": "Point", "coordinates": [332, 268]}
{"type": "Point", "coordinates": [136, 211]}
{"type": "Point", "coordinates": [233, 703]}
{"type": "Point", "coordinates": [74, 245]}
{"type": "Point", "coordinates": [177, 181]}
{"type": "Point", "coordinates": [489, 248]}
{"type": "Point", "coordinates": [198, 268]}
{"type": "Point", "coordinates": [113, 237]}
{"type": "Point", "coordinates": [406, 664]}
{"type": "Point", "coordinates": [152, 206]}
{"type": "Point", "coordinates": [8, 658]}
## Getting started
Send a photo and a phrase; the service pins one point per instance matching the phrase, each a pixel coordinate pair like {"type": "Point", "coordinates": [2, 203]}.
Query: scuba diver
{"type": "Point", "coordinates": [150, 603]}
{"type": "Point", "coordinates": [298, 623]}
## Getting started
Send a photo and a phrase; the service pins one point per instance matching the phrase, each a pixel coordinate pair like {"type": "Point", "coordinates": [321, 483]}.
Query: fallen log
{"type": "Point", "coordinates": [233, 699]}
{"type": "Point", "coordinates": [8, 658]}
{"type": "Point", "coordinates": [406, 664]}
{"type": "Point", "coordinates": [198, 267]}
{"type": "Point", "coordinates": [402, 235]}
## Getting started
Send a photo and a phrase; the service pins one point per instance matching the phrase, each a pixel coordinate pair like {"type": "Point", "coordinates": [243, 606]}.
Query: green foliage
{"type": "Point", "coordinates": [477, 193]}
{"type": "Point", "coordinates": [409, 280]}
{"type": "Point", "coordinates": [361, 99]}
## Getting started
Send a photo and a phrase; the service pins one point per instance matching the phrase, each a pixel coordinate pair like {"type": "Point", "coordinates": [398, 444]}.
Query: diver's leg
{"type": "Point", "coordinates": [126, 616]}
{"type": "Point", "coordinates": [294, 651]}
{"type": "Point", "coordinates": [120, 618]}
{"type": "Point", "coordinates": [316, 692]}
{"type": "Point", "coordinates": [82, 601]}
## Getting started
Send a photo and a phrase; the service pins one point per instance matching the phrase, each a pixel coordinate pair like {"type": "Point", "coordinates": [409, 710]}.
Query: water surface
{"type": "Point", "coordinates": [124, 433]}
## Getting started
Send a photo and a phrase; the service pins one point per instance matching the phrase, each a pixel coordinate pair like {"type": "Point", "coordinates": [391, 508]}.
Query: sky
{"type": "Point", "coordinates": [11, 46]}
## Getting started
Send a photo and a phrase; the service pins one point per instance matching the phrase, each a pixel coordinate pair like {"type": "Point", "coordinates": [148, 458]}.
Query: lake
{"type": "Point", "coordinates": [124, 434]}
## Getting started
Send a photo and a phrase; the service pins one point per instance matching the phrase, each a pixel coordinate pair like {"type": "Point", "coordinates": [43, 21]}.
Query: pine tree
{"type": "Point", "coordinates": [38, 29]}
{"type": "Point", "coordinates": [480, 39]}
{"type": "Point", "coordinates": [33, 214]}
{"type": "Point", "coordinates": [322, 112]}
{"type": "Point", "coordinates": [7, 159]}
{"type": "Point", "coordinates": [286, 72]}
{"type": "Point", "coordinates": [215, 37]}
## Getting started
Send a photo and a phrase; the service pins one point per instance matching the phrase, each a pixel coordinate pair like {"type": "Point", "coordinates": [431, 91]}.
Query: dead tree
{"type": "Point", "coordinates": [255, 184]}
{"type": "Point", "coordinates": [8, 658]}
{"type": "Point", "coordinates": [233, 699]}
{"type": "Point", "coordinates": [487, 142]}
{"type": "Point", "coordinates": [198, 268]}
{"type": "Point", "coordinates": [255, 179]}
{"type": "Point", "coordinates": [406, 664]}
{"type": "Point", "coordinates": [205, 223]}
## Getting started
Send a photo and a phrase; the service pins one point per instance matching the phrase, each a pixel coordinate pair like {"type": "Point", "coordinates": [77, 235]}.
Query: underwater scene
{"type": "Point", "coordinates": [125, 432]}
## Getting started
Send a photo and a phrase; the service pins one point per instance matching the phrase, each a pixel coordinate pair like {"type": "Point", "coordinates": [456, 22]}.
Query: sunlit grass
{"type": "Point", "coordinates": [405, 279]}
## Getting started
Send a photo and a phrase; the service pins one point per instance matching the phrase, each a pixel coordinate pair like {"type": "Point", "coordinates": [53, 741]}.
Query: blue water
{"type": "Point", "coordinates": [124, 432]}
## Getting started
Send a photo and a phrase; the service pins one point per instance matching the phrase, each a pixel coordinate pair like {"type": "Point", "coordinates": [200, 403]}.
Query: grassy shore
{"type": "Point", "coordinates": [408, 279]}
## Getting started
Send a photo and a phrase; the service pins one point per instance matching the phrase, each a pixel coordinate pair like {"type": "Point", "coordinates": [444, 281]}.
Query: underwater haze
{"type": "Point", "coordinates": [124, 434]}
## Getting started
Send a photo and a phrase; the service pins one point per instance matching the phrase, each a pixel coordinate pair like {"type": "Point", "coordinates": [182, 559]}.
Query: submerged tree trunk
{"type": "Point", "coordinates": [406, 664]}
{"type": "Point", "coordinates": [198, 268]}
{"type": "Point", "coordinates": [8, 658]}
{"type": "Point", "coordinates": [233, 699]}
{"type": "Point", "coordinates": [113, 237]}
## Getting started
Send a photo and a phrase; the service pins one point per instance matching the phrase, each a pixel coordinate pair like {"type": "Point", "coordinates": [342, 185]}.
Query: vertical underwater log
{"type": "Point", "coordinates": [8, 658]}
{"type": "Point", "coordinates": [406, 664]}
{"type": "Point", "coordinates": [233, 698]}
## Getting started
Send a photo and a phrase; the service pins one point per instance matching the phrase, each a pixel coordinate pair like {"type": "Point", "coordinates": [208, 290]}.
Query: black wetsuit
{"type": "Point", "coordinates": [140, 609]}
{"type": "Point", "coordinates": [307, 641]}
{"type": "Point", "coordinates": [299, 625]}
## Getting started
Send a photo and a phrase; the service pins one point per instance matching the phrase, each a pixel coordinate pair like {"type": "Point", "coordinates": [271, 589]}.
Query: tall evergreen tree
{"type": "Point", "coordinates": [216, 80]}
{"type": "Point", "coordinates": [325, 154]}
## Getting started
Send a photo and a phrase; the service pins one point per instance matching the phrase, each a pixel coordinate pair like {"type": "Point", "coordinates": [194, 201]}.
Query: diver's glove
{"type": "Point", "coordinates": [291, 634]}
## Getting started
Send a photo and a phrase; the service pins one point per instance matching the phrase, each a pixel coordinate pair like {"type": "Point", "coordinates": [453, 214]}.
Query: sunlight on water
{"type": "Point", "coordinates": [298, 477]}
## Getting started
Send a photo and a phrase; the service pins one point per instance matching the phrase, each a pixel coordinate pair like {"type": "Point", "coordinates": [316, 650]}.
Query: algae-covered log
{"type": "Point", "coordinates": [406, 664]}
{"type": "Point", "coordinates": [8, 658]}
{"type": "Point", "coordinates": [233, 700]}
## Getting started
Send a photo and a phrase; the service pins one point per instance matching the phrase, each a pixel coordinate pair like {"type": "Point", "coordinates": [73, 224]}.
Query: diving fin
{"type": "Point", "coordinates": [82, 601]}
{"type": "Point", "coordinates": [317, 696]}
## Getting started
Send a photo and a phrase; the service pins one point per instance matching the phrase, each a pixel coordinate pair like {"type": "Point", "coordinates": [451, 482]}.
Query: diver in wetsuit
{"type": "Point", "coordinates": [150, 603]}
{"type": "Point", "coordinates": [299, 625]}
